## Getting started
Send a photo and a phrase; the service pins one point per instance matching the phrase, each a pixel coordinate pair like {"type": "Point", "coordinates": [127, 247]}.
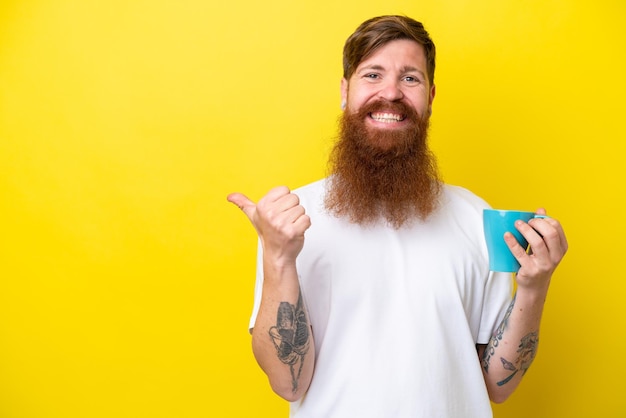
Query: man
{"type": "Point", "coordinates": [388, 308]}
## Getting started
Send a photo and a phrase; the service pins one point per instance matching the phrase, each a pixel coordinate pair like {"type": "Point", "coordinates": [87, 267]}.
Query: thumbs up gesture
{"type": "Point", "coordinates": [279, 220]}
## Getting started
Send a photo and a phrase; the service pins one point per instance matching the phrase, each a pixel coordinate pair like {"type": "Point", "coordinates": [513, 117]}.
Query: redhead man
{"type": "Point", "coordinates": [374, 296]}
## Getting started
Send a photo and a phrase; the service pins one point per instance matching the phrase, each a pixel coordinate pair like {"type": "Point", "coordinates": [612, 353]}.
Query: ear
{"type": "Point", "coordinates": [431, 98]}
{"type": "Point", "coordinates": [344, 93]}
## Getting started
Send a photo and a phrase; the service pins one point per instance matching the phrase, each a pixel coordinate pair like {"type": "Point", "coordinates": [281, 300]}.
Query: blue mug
{"type": "Point", "coordinates": [496, 223]}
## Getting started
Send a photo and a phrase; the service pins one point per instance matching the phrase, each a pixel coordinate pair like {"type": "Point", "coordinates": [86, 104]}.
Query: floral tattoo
{"type": "Point", "coordinates": [526, 354]}
{"type": "Point", "coordinates": [526, 350]}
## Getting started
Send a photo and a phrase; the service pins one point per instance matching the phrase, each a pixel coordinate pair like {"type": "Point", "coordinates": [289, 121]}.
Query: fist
{"type": "Point", "coordinates": [279, 220]}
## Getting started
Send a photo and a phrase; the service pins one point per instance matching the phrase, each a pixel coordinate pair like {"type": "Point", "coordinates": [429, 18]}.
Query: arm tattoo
{"type": "Point", "coordinates": [526, 354]}
{"type": "Point", "coordinates": [291, 337]}
{"type": "Point", "coordinates": [526, 350]}
{"type": "Point", "coordinates": [494, 342]}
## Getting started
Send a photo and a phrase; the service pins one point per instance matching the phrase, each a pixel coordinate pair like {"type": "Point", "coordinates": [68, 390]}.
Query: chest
{"type": "Point", "coordinates": [405, 271]}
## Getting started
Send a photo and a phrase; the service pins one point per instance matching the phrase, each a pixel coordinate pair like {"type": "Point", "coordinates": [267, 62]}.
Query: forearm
{"type": "Point", "coordinates": [513, 346]}
{"type": "Point", "coordinates": [282, 341]}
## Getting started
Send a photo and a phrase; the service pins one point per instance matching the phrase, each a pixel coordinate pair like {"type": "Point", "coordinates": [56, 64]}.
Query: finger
{"type": "Point", "coordinates": [242, 202]}
{"type": "Point", "coordinates": [276, 193]}
{"type": "Point", "coordinates": [536, 234]}
{"type": "Point", "coordinates": [556, 224]}
{"type": "Point", "coordinates": [287, 202]}
{"type": "Point", "coordinates": [302, 223]}
{"type": "Point", "coordinates": [549, 228]}
{"type": "Point", "coordinates": [277, 201]}
{"type": "Point", "coordinates": [294, 213]}
{"type": "Point", "coordinates": [563, 239]}
{"type": "Point", "coordinates": [517, 250]}
{"type": "Point", "coordinates": [296, 227]}
{"type": "Point", "coordinates": [274, 201]}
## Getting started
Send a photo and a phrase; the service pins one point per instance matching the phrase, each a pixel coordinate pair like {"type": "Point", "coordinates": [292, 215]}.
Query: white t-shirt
{"type": "Point", "coordinates": [397, 314]}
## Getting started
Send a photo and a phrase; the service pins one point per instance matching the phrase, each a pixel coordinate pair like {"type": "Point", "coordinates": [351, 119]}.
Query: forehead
{"type": "Point", "coordinates": [401, 52]}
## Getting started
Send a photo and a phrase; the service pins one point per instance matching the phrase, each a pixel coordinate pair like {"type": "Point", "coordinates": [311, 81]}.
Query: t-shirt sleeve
{"type": "Point", "coordinates": [498, 296]}
{"type": "Point", "coordinates": [258, 286]}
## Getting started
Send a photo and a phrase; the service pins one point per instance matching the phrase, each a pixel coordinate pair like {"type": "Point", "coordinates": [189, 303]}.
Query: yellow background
{"type": "Point", "coordinates": [126, 278]}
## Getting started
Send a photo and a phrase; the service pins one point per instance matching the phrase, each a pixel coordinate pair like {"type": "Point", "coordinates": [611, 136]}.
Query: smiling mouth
{"type": "Point", "coordinates": [387, 117]}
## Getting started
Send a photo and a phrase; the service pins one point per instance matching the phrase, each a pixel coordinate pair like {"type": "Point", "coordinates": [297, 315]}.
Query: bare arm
{"type": "Point", "coordinates": [513, 346]}
{"type": "Point", "coordinates": [282, 340]}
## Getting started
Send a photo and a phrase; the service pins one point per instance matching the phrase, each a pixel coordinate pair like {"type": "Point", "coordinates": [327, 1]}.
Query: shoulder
{"type": "Point", "coordinates": [312, 193]}
{"type": "Point", "coordinates": [460, 195]}
{"type": "Point", "coordinates": [459, 200]}
{"type": "Point", "coordinates": [313, 187]}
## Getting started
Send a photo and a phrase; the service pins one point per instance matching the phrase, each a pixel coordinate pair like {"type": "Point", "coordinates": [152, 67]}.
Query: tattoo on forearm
{"type": "Point", "coordinates": [526, 350]}
{"type": "Point", "coordinates": [525, 355]}
{"type": "Point", "coordinates": [291, 337]}
{"type": "Point", "coordinates": [496, 338]}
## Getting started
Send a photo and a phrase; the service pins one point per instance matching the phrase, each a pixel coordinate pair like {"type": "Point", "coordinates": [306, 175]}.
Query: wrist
{"type": "Point", "coordinates": [527, 297]}
{"type": "Point", "coordinates": [278, 268]}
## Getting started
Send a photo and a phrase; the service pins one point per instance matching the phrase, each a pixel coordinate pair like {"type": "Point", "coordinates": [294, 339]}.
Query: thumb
{"type": "Point", "coordinates": [242, 201]}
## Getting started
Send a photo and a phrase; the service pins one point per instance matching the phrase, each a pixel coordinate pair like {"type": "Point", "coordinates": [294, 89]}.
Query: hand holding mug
{"type": "Point", "coordinates": [508, 234]}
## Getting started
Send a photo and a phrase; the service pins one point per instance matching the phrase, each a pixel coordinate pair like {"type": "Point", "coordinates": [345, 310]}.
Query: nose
{"type": "Point", "coordinates": [391, 91]}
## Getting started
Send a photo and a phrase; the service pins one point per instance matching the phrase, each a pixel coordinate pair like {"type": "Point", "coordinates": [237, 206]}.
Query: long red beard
{"type": "Point", "coordinates": [383, 174]}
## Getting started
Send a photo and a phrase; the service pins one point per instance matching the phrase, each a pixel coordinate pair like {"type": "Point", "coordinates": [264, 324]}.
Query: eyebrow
{"type": "Point", "coordinates": [405, 69]}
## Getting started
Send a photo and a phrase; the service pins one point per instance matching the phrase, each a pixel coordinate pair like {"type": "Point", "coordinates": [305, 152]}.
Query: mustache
{"type": "Point", "coordinates": [401, 108]}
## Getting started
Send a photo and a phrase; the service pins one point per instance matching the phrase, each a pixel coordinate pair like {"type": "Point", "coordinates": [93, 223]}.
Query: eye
{"type": "Point", "coordinates": [411, 79]}
{"type": "Point", "coordinates": [372, 76]}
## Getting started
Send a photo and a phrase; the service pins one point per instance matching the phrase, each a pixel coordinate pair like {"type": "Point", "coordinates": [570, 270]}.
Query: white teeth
{"type": "Point", "coordinates": [387, 117]}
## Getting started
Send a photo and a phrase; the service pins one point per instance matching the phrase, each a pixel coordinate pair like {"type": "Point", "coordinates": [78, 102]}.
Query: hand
{"type": "Point", "coordinates": [279, 220]}
{"type": "Point", "coordinates": [548, 245]}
